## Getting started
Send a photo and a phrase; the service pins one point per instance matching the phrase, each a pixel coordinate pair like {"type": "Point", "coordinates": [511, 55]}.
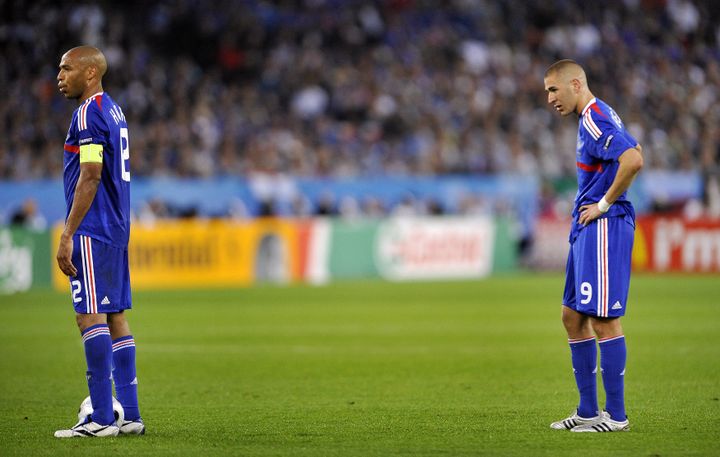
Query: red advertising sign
{"type": "Point", "coordinates": [675, 244]}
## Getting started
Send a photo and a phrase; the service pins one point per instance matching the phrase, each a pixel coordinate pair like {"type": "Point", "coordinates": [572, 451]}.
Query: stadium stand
{"type": "Point", "coordinates": [347, 89]}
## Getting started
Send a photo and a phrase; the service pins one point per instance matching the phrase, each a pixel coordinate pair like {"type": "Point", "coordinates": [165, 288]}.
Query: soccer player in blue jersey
{"type": "Point", "coordinates": [93, 246]}
{"type": "Point", "coordinates": [601, 237]}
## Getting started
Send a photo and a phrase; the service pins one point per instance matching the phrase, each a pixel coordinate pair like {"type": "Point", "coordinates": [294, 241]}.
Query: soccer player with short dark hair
{"type": "Point", "coordinates": [601, 238]}
{"type": "Point", "coordinates": [93, 250]}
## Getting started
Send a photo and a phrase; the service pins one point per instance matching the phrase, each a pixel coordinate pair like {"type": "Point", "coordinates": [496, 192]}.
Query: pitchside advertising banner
{"type": "Point", "coordinates": [24, 258]}
{"type": "Point", "coordinates": [673, 244]}
{"type": "Point", "coordinates": [216, 253]}
{"type": "Point", "coordinates": [401, 249]}
{"type": "Point", "coordinates": [407, 249]}
{"type": "Point", "coordinates": [662, 244]}
{"type": "Point", "coordinates": [224, 253]}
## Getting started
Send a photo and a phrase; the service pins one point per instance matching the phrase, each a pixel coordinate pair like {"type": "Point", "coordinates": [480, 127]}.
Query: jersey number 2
{"type": "Point", "coordinates": [76, 288]}
{"type": "Point", "coordinates": [125, 153]}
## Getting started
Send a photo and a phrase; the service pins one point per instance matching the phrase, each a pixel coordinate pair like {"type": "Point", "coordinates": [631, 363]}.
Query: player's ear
{"type": "Point", "coordinates": [576, 85]}
{"type": "Point", "coordinates": [91, 71]}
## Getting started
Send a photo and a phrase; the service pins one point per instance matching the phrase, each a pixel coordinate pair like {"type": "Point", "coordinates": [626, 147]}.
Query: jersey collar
{"type": "Point", "coordinates": [587, 107]}
{"type": "Point", "coordinates": [95, 95]}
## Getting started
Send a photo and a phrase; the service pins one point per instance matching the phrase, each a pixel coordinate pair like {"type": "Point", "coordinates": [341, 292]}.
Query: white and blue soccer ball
{"type": "Point", "coordinates": [86, 410]}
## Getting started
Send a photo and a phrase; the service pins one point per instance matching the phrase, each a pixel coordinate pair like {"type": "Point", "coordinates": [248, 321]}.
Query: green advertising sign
{"type": "Point", "coordinates": [351, 249]}
{"type": "Point", "coordinates": [24, 259]}
{"type": "Point", "coordinates": [421, 248]}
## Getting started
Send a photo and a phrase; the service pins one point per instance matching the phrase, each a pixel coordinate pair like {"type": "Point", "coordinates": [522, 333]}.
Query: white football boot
{"type": "Point", "coordinates": [575, 421]}
{"type": "Point", "coordinates": [606, 424]}
{"type": "Point", "coordinates": [136, 427]}
{"type": "Point", "coordinates": [88, 430]}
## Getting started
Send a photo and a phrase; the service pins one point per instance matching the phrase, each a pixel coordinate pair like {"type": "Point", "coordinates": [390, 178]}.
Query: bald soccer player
{"type": "Point", "coordinates": [601, 238]}
{"type": "Point", "coordinates": [93, 249]}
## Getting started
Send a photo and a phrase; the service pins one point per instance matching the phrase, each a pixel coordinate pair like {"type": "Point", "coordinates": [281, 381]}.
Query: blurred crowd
{"type": "Point", "coordinates": [344, 88]}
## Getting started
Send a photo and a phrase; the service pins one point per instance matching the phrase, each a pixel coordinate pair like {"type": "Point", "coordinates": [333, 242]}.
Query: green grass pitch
{"type": "Point", "coordinates": [369, 368]}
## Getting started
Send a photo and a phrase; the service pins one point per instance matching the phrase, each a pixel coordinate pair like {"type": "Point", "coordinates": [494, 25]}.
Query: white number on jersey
{"type": "Point", "coordinates": [586, 291]}
{"type": "Point", "coordinates": [125, 154]}
{"type": "Point", "coordinates": [76, 286]}
{"type": "Point", "coordinates": [616, 119]}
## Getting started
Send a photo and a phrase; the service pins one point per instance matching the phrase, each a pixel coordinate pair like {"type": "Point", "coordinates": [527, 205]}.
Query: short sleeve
{"type": "Point", "coordinates": [610, 141]}
{"type": "Point", "coordinates": [92, 127]}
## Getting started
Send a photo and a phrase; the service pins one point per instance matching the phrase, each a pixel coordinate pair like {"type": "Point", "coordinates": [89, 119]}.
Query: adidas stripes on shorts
{"type": "Point", "coordinates": [102, 284]}
{"type": "Point", "coordinates": [598, 268]}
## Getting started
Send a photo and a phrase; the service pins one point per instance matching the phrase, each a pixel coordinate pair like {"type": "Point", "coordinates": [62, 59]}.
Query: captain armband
{"type": "Point", "coordinates": [91, 153]}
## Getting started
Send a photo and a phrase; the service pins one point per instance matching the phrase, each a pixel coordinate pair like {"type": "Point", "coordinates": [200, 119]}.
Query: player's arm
{"type": "Point", "coordinates": [631, 161]}
{"type": "Point", "coordinates": [85, 191]}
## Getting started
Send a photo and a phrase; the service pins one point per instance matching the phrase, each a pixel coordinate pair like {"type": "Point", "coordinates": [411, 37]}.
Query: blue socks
{"type": "Point", "coordinates": [98, 354]}
{"type": "Point", "coordinates": [613, 355]}
{"type": "Point", "coordinates": [584, 361]}
{"type": "Point", "coordinates": [124, 375]}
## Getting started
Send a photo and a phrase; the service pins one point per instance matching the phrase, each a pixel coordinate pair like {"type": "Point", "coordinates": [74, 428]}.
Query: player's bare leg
{"type": "Point", "coordinates": [606, 328]}
{"type": "Point", "coordinates": [85, 321]}
{"type": "Point", "coordinates": [577, 325]}
{"type": "Point", "coordinates": [119, 326]}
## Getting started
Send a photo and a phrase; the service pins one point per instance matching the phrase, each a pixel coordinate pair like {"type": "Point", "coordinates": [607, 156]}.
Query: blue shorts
{"type": "Point", "coordinates": [598, 268]}
{"type": "Point", "coordinates": [102, 284]}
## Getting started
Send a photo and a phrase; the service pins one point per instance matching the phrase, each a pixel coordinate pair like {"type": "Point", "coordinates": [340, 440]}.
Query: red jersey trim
{"type": "Point", "coordinates": [72, 149]}
{"type": "Point", "coordinates": [592, 168]}
{"type": "Point", "coordinates": [596, 108]}
{"type": "Point", "coordinates": [82, 114]}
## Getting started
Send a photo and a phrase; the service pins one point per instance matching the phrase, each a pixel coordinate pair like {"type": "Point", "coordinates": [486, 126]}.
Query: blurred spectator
{"type": "Point", "coordinates": [353, 88]}
{"type": "Point", "coordinates": [28, 216]}
{"type": "Point", "coordinates": [152, 210]}
{"type": "Point", "coordinates": [326, 205]}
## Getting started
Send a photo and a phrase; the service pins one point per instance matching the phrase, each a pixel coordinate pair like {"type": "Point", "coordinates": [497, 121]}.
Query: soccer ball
{"type": "Point", "coordinates": [86, 410]}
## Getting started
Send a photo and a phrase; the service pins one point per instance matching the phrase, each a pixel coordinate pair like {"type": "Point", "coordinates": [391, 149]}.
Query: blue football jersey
{"type": "Point", "coordinates": [602, 138]}
{"type": "Point", "coordinates": [100, 121]}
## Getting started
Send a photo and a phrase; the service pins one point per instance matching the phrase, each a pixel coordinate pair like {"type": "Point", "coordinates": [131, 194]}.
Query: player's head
{"type": "Point", "coordinates": [566, 86]}
{"type": "Point", "coordinates": [81, 72]}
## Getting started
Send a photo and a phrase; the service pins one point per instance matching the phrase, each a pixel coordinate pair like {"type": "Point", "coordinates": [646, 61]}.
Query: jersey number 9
{"type": "Point", "coordinates": [587, 292]}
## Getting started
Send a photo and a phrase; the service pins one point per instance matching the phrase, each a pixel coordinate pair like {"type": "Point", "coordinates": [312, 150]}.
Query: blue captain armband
{"type": "Point", "coordinates": [91, 153]}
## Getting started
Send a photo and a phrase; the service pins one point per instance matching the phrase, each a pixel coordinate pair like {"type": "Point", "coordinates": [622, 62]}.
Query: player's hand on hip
{"type": "Point", "coordinates": [589, 213]}
{"type": "Point", "coordinates": [64, 256]}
